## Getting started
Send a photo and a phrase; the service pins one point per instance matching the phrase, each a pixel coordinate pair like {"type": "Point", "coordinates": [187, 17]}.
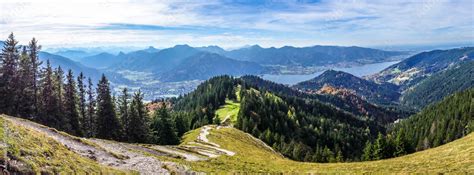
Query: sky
{"type": "Point", "coordinates": [232, 24]}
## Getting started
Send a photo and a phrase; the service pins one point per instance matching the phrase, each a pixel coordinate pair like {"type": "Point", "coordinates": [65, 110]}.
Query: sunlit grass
{"type": "Point", "coordinates": [454, 157]}
{"type": "Point", "coordinates": [37, 153]}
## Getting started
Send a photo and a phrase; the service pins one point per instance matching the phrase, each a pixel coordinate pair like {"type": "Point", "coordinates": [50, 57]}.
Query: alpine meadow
{"type": "Point", "coordinates": [236, 87]}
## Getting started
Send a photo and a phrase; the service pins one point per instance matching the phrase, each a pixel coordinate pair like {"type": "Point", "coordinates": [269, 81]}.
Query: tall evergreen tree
{"type": "Point", "coordinates": [138, 124]}
{"type": "Point", "coordinates": [367, 155]}
{"type": "Point", "coordinates": [24, 89]}
{"type": "Point", "coordinates": [59, 94]}
{"type": "Point", "coordinates": [82, 103]}
{"type": "Point", "coordinates": [108, 125]}
{"type": "Point", "coordinates": [124, 112]}
{"type": "Point", "coordinates": [89, 124]}
{"type": "Point", "coordinates": [70, 105]}
{"type": "Point", "coordinates": [34, 49]}
{"type": "Point", "coordinates": [400, 145]}
{"type": "Point", "coordinates": [379, 147]}
{"type": "Point", "coordinates": [180, 123]}
{"type": "Point", "coordinates": [48, 109]}
{"type": "Point", "coordinates": [162, 128]}
{"type": "Point", "coordinates": [8, 75]}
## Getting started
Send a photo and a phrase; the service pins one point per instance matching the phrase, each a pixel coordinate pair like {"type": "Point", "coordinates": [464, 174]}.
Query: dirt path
{"type": "Point", "coordinates": [187, 156]}
{"type": "Point", "coordinates": [124, 158]}
{"type": "Point", "coordinates": [140, 158]}
{"type": "Point", "coordinates": [210, 145]}
{"type": "Point", "coordinates": [137, 160]}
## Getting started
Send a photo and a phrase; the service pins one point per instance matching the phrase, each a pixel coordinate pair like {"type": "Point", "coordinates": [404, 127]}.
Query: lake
{"type": "Point", "coordinates": [363, 70]}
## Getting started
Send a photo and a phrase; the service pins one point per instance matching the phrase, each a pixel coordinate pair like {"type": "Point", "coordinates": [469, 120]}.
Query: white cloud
{"type": "Point", "coordinates": [341, 22]}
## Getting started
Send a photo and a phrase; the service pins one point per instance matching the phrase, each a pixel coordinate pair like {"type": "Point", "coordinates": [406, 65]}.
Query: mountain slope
{"type": "Point", "coordinates": [66, 64]}
{"type": "Point", "coordinates": [414, 69]}
{"type": "Point", "coordinates": [210, 149]}
{"type": "Point", "coordinates": [33, 152]}
{"type": "Point", "coordinates": [77, 67]}
{"type": "Point", "coordinates": [156, 62]}
{"type": "Point", "coordinates": [373, 92]}
{"type": "Point", "coordinates": [310, 56]}
{"type": "Point", "coordinates": [205, 65]}
{"type": "Point", "coordinates": [252, 156]}
{"type": "Point", "coordinates": [440, 123]}
{"type": "Point", "coordinates": [436, 87]}
{"type": "Point", "coordinates": [75, 55]}
{"type": "Point", "coordinates": [347, 102]}
{"type": "Point", "coordinates": [295, 126]}
{"type": "Point", "coordinates": [100, 61]}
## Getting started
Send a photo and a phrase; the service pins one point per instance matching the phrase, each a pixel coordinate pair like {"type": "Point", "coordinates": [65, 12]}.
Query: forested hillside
{"type": "Point", "coordinates": [347, 102]}
{"type": "Point", "coordinates": [436, 87]}
{"type": "Point", "coordinates": [440, 123]}
{"type": "Point", "coordinates": [376, 93]}
{"type": "Point", "coordinates": [414, 69]}
{"type": "Point", "coordinates": [301, 128]}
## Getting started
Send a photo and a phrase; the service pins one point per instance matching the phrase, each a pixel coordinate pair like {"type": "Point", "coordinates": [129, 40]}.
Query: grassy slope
{"type": "Point", "coordinates": [457, 156]}
{"type": "Point", "coordinates": [231, 108]}
{"type": "Point", "coordinates": [36, 152]}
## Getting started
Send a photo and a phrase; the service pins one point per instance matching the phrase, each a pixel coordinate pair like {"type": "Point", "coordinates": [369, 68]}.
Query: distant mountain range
{"type": "Point", "coordinates": [77, 67]}
{"type": "Point", "coordinates": [75, 55]}
{"type": "Point", "coordinates": [166, 61]}
{"type": "Point", "coordinates": [205, 65]}
{"type": "Point", "coordinates": [311, 56]}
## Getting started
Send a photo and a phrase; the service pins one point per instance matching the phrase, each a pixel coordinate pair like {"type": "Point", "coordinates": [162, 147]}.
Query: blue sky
{"type": "Point", "coordinates": [230, 24]}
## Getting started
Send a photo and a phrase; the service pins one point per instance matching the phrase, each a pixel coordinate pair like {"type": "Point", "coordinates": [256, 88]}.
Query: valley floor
{"type": "Point", "coordinates": [207, 149]}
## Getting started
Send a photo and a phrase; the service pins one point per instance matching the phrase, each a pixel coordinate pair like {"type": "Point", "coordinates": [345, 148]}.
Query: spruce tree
{"type": "Point", "coordinates": [399, 144]}
{"type": "Point", "coordinates": [70, 105]}
{"type": "Point", "coordinates": [8, 75]}
{"type": "Point", "coordinates": [180, 124]}
{"type": "Point", "coordinates": [63, 123]}
{"type": "Point", "coordinates": [34, 49]}
{"type": "Point", "coordinates": [108, 125]}
{"type": "Point", "coordinates": [89, 122]}
{"type": "Point", "coordinates": [162, 128]}
{"type": "Point", "coordinates": [367, 155]}
{"type": "Point", "coordinates": [25, 91]}
{"type": "Point", "coordinates": [124, 112]}
{"type": "Point", "coordinates": [379, 148]}
{"type": "Point", "coordinates": [48, 109]}
{"type": "Point", "coordinates": [82, 103]}
{"type": "Point", "coordinates": [138, 123]}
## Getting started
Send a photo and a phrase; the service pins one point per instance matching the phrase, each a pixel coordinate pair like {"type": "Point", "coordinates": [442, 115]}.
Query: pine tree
{"type": "Point", "coordinates": [24, 90]}
{"type": "Point", "coordinates": [8, 75]}
{"type": "Point", "coordinates": [138, 123]}
{"type": "Point", "coordinates": [180, 124]}
{"type": "Point", "coordinates": [108, 125]}
{"type": "Point", "coordinates": [124, 113]}
{"type": "Point", "coordinates": [367, 155]}
{"type": "Point", "coordinates": [162, 128]}
{"type": "Point", "coordinates": [82, 103]}
{"type": "Point", "coordinates": [63, 123]}
{"type": "Point", "coordinates": [48, 108]}
{"type": "Point", "coordinates": [89, 122]}
{"type": "Point", "coordinates": [339, 156]}
{"type": "Point", "coordinates": [379, 148]}
{"type": "Point", "coordinates": [399, 144]}
{"type": "Point", "coordinates": [70, 105]}
{"type": "Point", "coordinates": [34, 49]}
